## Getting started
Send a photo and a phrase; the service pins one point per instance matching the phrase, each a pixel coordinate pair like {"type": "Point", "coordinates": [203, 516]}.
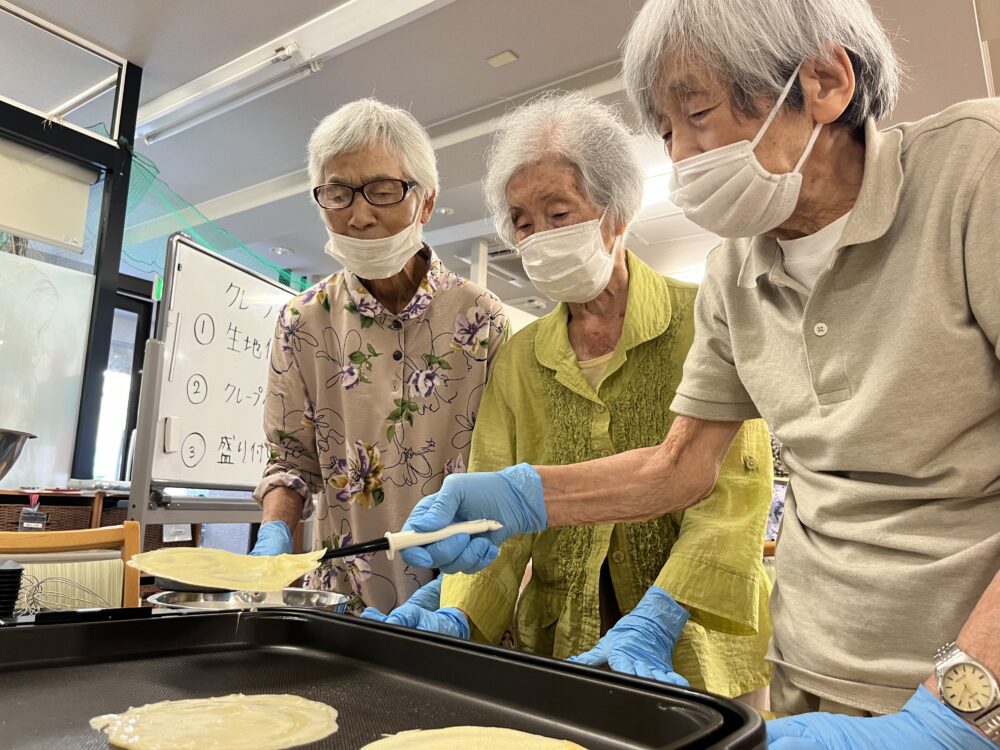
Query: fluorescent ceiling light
{"type": "Point", "coordinates": [152, 136]}
{"type": "Point", "coordinates": [277, 63]}
{"type": "Point", "coordinates": [86, 96]}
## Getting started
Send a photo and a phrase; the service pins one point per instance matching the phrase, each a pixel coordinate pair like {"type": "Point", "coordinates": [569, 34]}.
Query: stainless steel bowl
{"type": "Point", "coordinates": [326, 601]}
{"type": "Point", "coordinates": [11, 444]}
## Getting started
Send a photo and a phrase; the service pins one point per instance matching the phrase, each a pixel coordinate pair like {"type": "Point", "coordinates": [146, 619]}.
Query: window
{"type": "Point", "coordinates": [120, 394]}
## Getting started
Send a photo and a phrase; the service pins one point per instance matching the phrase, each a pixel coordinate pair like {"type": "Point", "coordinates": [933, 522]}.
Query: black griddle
{"type": "Point", "coordinates": [381, 678]}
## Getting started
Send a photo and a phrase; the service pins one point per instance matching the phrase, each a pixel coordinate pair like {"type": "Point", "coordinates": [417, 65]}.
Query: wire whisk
{"type": "Point", "coordinates": [56, 593]}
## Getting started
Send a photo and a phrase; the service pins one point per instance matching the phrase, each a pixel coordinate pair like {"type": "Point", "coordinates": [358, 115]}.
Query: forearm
{"type": "Point", "coordinates": [978, 637]}
{"type": "Point", "coordinates": [282, 504]}
{"type": "Point", "coordinates": [640, 484]}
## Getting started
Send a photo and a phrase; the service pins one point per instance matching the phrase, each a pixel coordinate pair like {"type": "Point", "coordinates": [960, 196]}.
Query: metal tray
{"type": "Point", "coordinates": [382, 679]}
{"type": "Point", "coordinates": [187, 601]}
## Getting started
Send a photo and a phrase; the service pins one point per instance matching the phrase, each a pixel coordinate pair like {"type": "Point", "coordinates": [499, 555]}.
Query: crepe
{"type": "Point", "coordinates": [218, 568]}
{"type": "Point", "coordinates": [234, 722]}
{"type": "Point", "coordinates": [470, 738]}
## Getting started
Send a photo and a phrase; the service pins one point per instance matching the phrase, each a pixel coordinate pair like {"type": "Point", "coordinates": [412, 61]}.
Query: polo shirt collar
{"type": "Point", "coordinates": [873, 213]}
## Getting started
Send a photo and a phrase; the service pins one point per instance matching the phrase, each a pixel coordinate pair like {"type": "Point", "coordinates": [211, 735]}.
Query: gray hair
{"type": "Point", "coordinates": [587, 133]}
{"type": "Point", "coordinates": [366, 122]}
{"type": "Point", "coordinates": [755, 45]}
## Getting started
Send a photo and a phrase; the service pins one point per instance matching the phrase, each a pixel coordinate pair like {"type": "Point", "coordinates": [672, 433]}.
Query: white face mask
{"type": "Point", "coordinates": [377, 259]}
{"type": "Point", "coordinates": [568, 264]}
{"type": "Point", "coordinates": [728, 192]}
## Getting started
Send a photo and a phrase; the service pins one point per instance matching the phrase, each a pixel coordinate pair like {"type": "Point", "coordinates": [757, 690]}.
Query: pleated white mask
{"type": "Point", "coordinates": [568, 264]}
{"type": "Point", "coordinates": [726, 190]}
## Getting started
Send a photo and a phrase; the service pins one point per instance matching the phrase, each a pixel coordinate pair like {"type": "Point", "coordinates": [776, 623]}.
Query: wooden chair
{"type": "Point", "coordinates": [124, 538]}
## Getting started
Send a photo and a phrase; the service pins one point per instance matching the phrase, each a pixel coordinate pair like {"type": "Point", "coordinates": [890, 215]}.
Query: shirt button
{"type": "Point", "coordinates": [397, 355]}
{"type": "Point", "coordinates": [601, 408]}
{"type": "Point", "coordinates": [395, 325]}
{"type": "Point", "coordinates": [750, 462]}
{"type": "Point", "coordinates": [820, 329]}
{"type": "Point", "coordinates": [618, 556]}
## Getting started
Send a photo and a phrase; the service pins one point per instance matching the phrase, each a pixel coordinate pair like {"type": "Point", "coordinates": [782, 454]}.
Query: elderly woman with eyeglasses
{"type": "Point", "coordinates": [376, 371]}
{"type": "Point", "coordinates": [681, 597]}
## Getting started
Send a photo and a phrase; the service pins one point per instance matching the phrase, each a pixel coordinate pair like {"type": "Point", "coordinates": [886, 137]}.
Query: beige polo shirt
{"type": "Point", "coordinates": [883, 384]}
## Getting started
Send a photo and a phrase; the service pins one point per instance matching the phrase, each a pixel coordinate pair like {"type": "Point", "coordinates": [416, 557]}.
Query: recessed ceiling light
{"type": "Point", "coordinates": [282, 251]}
{"type": "Point", "coordinates": [445, 211]}
{"type": "Point", "coordinates": [502, 58]}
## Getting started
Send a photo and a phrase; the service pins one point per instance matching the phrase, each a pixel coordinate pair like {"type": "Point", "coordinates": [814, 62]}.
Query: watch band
{"type": "Point", "coordinates": [945, 654]}
{"type": "Point", "coordinates": [988, 722]}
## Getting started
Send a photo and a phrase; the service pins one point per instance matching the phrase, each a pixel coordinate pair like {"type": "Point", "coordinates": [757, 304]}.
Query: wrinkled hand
{"type": "Point", "coordinates": [274, 538]}
{"type": "Point", "coordinates": [923, 724]}
{"type": "Point", "coordinates": [512, 496]}
{"type": "Point", "coordinates": [448, 621]}
{"type": "Point", "coordinates": [642, 642]}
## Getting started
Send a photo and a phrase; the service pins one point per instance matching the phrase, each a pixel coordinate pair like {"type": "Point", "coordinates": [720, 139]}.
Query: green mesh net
{"type": "Point", "coordinates": [154, 212]}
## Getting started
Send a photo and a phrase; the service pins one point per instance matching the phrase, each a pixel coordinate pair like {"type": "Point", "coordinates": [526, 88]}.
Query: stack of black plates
{"type": "Point", "coordinates": [10, 585]}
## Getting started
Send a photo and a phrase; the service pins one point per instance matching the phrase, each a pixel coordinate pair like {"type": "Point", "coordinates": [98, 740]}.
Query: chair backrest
{"type": "Point", "coordinates": [124, 538]}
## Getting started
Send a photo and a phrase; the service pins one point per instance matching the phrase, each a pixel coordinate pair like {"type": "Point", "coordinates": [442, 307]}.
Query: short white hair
{"type": "Point", "coordinates": [587, 133]}
{"type": "Point", "coordinates": [755, 46]}
{"type": "Point", "coordinates": [365, 123]}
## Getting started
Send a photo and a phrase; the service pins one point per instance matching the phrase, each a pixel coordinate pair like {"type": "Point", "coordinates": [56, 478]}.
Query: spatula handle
{"type": "Point", "coordinates": [402, 539]}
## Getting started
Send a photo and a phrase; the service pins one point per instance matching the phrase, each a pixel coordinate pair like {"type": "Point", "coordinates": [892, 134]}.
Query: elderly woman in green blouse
{"type": "Point", "coordinates": [681, 598]}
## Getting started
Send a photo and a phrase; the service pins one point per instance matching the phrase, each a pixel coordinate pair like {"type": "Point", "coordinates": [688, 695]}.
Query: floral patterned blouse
{"type": "Point", "coordinates": [369, 411]}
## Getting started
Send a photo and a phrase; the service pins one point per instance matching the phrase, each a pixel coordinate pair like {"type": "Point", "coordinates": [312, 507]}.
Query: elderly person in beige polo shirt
{"type": "Point", "coordinates": [854, 304]}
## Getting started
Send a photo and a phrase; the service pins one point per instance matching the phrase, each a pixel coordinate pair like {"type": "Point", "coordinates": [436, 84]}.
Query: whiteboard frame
{"type": "Point", "coordinates": [148, 502]}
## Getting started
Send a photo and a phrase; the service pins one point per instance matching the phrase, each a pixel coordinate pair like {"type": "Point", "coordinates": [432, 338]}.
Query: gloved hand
{"type": "Point", "coordinates": [449, 621]}
{"type": "Point", "coordinates": [923, 724]}
{"type": "Point", "coordinates": [427, 596]}
{"type": "Point", "coordinates": [274, 538]}
{"type": "Point", "coordinates": [512, 496]}
{"type": "Point", "coordinates": [642, 642]}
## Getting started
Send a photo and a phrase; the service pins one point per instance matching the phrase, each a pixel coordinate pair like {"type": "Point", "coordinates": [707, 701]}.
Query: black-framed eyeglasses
{"type": "Point", "coordinates": [336, 195]}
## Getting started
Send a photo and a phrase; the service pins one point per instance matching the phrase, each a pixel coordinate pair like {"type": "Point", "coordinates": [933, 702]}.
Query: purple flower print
{"type": "Point", "coordinates": [423, 383]}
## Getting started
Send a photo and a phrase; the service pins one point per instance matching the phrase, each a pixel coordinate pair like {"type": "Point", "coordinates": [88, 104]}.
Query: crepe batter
{"type": "Point", "coordinates": [463, 738]}
{"type": "Point", "coordinates": [218, 568]}
{"type": "Point", "coordinates": [233, 722]}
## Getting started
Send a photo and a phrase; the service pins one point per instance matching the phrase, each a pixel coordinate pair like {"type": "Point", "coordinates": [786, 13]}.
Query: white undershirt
{"type": "Point", "coordinates": [807, 257]}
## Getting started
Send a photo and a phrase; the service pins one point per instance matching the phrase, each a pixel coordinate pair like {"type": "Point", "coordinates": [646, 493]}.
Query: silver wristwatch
{"type": "Point", "coordinates": [968, 688]}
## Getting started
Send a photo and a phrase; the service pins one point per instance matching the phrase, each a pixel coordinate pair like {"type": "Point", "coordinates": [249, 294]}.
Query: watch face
{"type": "Point", "coordinates": [966, 687]}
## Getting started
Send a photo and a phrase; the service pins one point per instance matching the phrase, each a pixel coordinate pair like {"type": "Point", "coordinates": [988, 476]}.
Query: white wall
{"type": "Point", "coordinates": [44, 319]}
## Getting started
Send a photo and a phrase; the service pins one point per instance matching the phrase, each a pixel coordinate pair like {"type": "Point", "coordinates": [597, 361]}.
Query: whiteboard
{"type": "Point", "coordinates": [217, 332]}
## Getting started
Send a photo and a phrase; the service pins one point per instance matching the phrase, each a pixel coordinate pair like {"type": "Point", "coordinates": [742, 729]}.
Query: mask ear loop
{"type": "Point", "coordinates": [777, 106]}
{"type": "Point", "coordinates": [619, 238]}
{"type": "Point", "coordinates": [809, 147]}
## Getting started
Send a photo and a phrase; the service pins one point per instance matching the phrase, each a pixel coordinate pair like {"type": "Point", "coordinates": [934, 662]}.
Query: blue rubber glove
{"type": "Point", "coordinates": [512, 496]}
{"type": "Point", "coordinates": [642, 642]}
{"type": "Point", "coordinates": [274, 538]}
{"type": "Point", "coordinates": [447, 621]}
{"type": "Point", "coordinates": [427, 596]}
{"type": "Point", "coordinates": [923, 724]}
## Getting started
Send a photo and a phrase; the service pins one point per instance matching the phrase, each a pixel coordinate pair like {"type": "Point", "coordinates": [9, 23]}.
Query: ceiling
{"type": "Point", "coordinates": [243, 168]}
